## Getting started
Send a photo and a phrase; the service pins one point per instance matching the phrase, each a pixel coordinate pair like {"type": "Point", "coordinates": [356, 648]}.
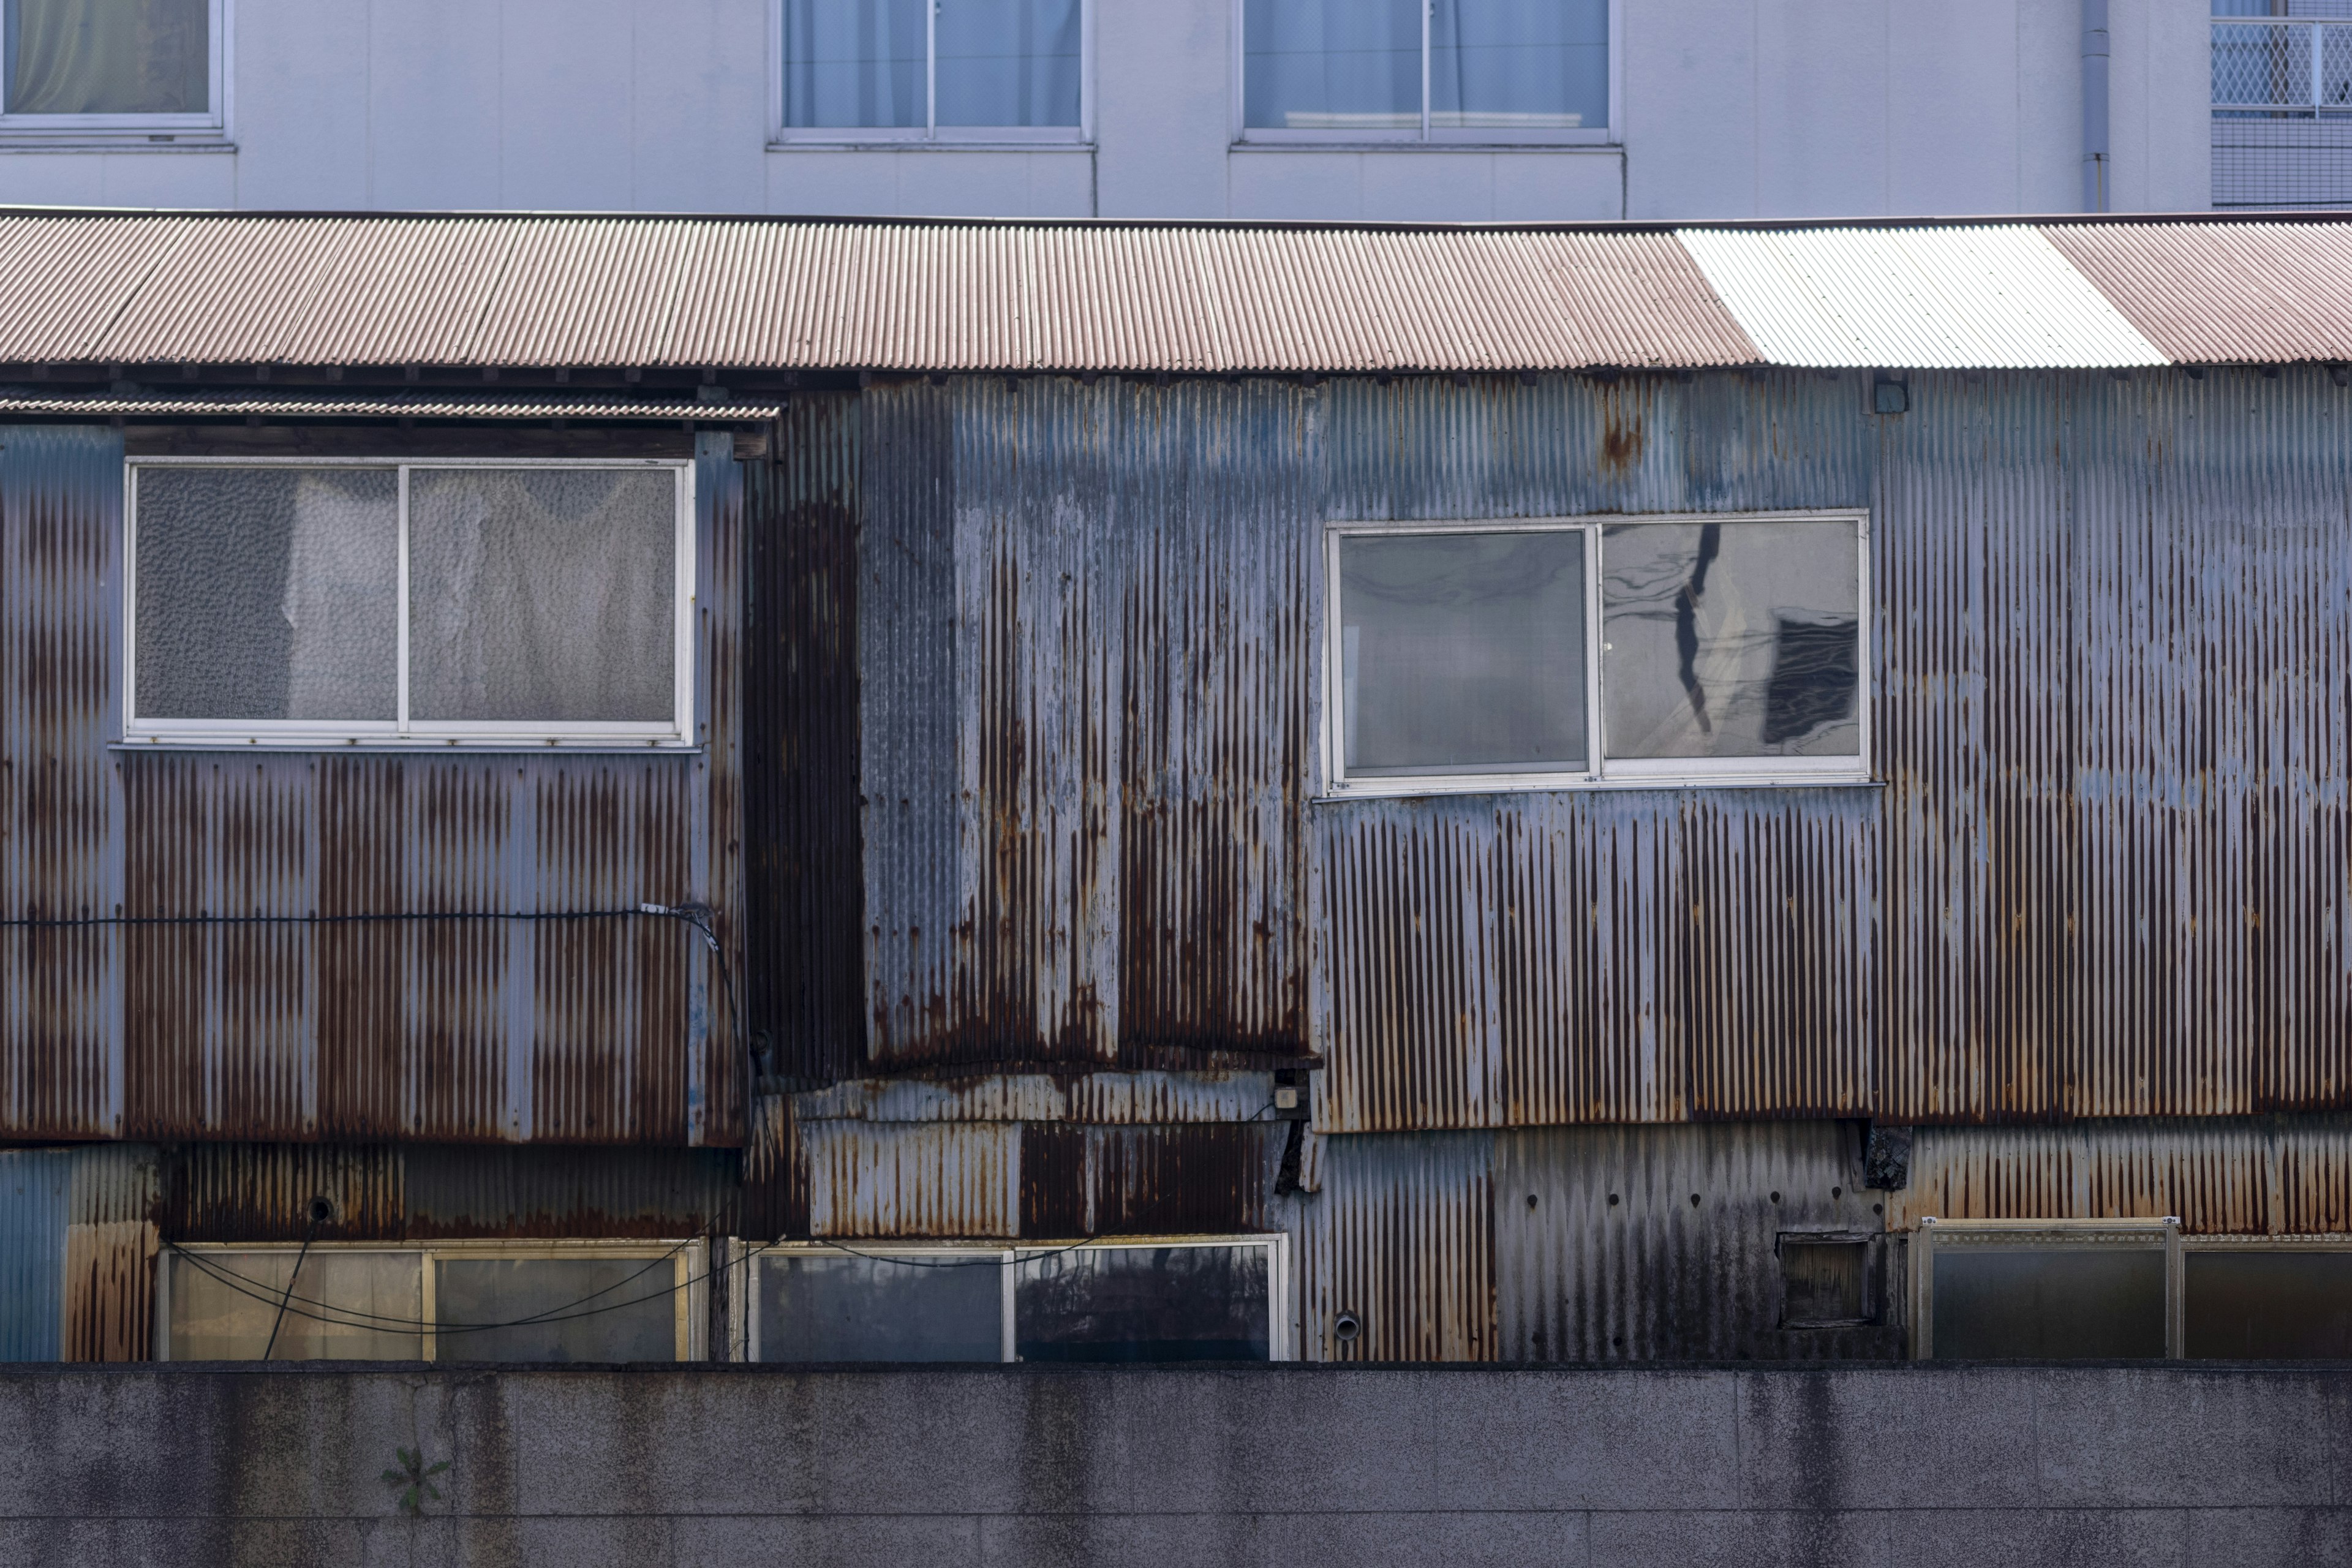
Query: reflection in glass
{"type": "Point", "coordinates": [1143, 1303]}
{"type": "Point", "coordinates": [1463, 653]}
{"type": "Point", "coordinates": [855, 64]}
{"type": "Point", "coordinates": [267, 594]}
{"type": "Point", "coordinates": [543, 595]}
{"type": "Point", "coordinates": [1331, 64]}
{"type": "Point", "coordinates": [845, 1308]}
{"type": "Point", "coordinates": [2267, 1306]}
{"type": "Point", "coordinates": [1008, 62]}
{"type": "Point", "coordinates": [580, 1309]}
{"type": "Point", "coordinates": [1519, 64]}
{"type": "Point", "coordinates": [1730, 640]}
{"type": "Point", "coordinates": [108, 56]}
{"type": "Point", "coordinates": [2027, 1303]}
{"type": "Point", "coordinates": [345, 1306]}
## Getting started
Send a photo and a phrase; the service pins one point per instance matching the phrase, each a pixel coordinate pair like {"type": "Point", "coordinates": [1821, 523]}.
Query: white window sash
{"type": "Point", "coordinates": [930, 135]}
{"type": "Point", "coordinates": [1603, 772]}
{"type": "Point", "coordinates": [208, 129]}
{"type": "Point", "coordinates": [405, 732]}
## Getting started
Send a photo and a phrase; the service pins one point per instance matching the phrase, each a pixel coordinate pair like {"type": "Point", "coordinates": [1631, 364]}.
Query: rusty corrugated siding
{"type": "Point", "coordinates": [1401, 1238]}
{"type": "Point", "coordinates": [2261, 293]}
{"type": "Point", "coordinates": [519, 291]}
{"type": "Point", "coordinates": [604, 1031]}
{"type": "Point", "coordinates": [806, 995]}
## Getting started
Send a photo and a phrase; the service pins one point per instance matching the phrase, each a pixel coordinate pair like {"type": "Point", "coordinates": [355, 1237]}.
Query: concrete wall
{"type": "Point", "coordinates": [1918, 1465]}
{"type": "Point", "coordinates": [1732, 109]}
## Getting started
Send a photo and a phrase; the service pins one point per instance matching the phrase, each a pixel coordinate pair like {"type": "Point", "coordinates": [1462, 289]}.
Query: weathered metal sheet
{"type": "Point", "coordinates": [2285, 1175]}
{"type": "Point", "coordinates": [1660, 1243]}
{"type": "Point", "coordinates": [2262, 293]}
{"type": "Point", "coordinates": [1999, 296]}
{"type": "Point", "coordinates": [609, 1030]}
{"type": "Point", "coordinates": [1402, 1241]}
{"type": "Point", "coordinates": [35, 1185]}
{"type": "Point", "coordinates": [1082, 645]}
{"type": "Point", "coordinates": [1108, 1098]}
{"type": "Point", "coordinates": [926, 1179]}
{"type": "Point", "coordinates": [521, 290]}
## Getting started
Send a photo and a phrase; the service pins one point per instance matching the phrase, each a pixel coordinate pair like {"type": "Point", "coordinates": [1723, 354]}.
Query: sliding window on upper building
{"type": "Point", "coordinates": [1426, 70]}
{"type": "Point", "coordinates": [130, 72]}
{"type": "Point", "coordinates": [1557, 653]}
{"type": "Point", "coordinates": [438, 603]}
{"type": "Point", "coordinates": [932, 70]}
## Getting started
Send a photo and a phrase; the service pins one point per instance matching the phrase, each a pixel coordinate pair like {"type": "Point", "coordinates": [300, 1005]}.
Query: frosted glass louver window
{"type": "Point", "coordinates": [475, 604]}
{"type": "Point", "coordinates": [1460, 70]}
{"type": "Point", "coordinates": [1566, 652]}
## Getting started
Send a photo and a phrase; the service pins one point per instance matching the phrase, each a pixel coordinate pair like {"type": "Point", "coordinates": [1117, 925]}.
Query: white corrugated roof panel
{"type": "Point", "coordinates": [1996, 297]}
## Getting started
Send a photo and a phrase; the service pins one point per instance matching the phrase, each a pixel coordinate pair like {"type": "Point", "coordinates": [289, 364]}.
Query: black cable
{"type": "Point", "coordinates": [293, 1275]}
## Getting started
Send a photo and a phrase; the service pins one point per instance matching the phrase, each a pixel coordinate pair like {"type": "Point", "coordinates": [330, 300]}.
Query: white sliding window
{"type": "Point", "coordinates": [127, 72]}
{"type": "Point", "coordinates": [922, 70]}
{"type": "Point", "coordinates": [1555, 653]}
{"type": "Point", "coordinates": [433, 603]}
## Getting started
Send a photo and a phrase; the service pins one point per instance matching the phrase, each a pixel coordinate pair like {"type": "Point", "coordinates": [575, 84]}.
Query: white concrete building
{"type": "Point", "coordinates": [1401, 110]}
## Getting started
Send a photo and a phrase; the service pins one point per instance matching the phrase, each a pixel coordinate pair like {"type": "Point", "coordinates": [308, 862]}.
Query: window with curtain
{"type": "Point", "coordinates": [311, 602]}
{"type": "Point", "coordinates": [916, 68]}
{"type": "Point", "coordinates": [1449, 69]}
{"type": "Point", "coordinates": [96, 59]}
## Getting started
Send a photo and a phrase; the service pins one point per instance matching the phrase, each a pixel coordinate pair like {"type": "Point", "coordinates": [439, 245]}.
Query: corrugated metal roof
{"type": "Point", "coordinates": [377, 409]}
{"type": "Point", "coordinates": [517, 291]}
{"type": "Point", "coordinates": [1998, 296]}
{"type": "Point", "coordinates": [2262, 293]}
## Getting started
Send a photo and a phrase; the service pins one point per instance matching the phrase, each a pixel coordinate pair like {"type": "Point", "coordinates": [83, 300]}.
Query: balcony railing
{"type": "Point", "coordinates": [2288, 67]}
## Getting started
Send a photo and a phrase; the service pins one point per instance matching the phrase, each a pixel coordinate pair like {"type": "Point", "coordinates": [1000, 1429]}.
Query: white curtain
{"type": "Point", "coordinates": [109, 57]}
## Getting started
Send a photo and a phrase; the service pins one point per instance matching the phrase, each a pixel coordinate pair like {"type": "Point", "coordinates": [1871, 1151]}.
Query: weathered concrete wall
{"type": "Point", "coordinates": [1299, 1466]}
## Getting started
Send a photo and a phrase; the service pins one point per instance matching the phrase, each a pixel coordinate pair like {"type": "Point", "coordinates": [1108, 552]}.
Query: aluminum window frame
{"type": "Point", "coordinates": [1282, 1338]}
{"type": "Point", "coordinates": [689, 1276]}
{"type": "Point", "coordinates": [1426, 137]}
{"type": "Point", "coordinates": [1600, 772]}
{"type": "Point", "coordinates": [930, 135]}
{"type": "Point", "coordinates": [207, 131]}
{"type": "Point", "coordinates": [403, 732]}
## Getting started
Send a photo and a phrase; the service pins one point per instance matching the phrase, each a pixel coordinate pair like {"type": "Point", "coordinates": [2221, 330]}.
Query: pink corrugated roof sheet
{"type": "Point", "coordinates": [218, 289]}
{"type": "Point", "coordinates": [2259, 293]}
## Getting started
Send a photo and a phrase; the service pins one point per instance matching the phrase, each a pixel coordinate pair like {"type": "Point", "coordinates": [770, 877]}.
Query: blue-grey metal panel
{"type": "Point", "coordinates": [36, 1186]}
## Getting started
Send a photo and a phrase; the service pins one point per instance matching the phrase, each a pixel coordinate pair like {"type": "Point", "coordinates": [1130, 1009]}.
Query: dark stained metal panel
{"type": "Point", "coordinates": [913, 1179]}
{"type": "Point", "coordinates": [2261, 293]}
{"type": "Point", "coordinates": [1082, 724]}
{"type": "Point", "coordinates": [1108, 1097]}
{"type": "Point", "coordinates": [1146, 1181]}
{"type": "Point", "coordinates": [1400, 1238]}
{"type": "Point", "coordinates": [521, 290]}
{"type": "Point", "coordinates": [1660, 1243]}
{"type": "Point", "coordinates": [805, 992]}
{"type": "Point", "coordinates": [61, 808]}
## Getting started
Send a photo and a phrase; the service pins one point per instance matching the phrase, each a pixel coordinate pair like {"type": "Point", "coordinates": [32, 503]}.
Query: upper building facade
{"type": "Point", "coordinates": [1326, 109]}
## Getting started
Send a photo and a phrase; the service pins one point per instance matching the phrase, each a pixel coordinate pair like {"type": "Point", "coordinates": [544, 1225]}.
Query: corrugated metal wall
{"type": "Point", "coordinates": [604, 1031]}
{"type": "Point", "coordinates": [35, 1190]}
{"type": "Point", "coordinates": [2105, 873]}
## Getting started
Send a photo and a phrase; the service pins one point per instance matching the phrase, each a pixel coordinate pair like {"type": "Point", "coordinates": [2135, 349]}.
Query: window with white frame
{"type": "Point", "coordinates": [1439, 70]}
{"type": "Point", "coordinates": [1562, 652]}
{"type": "Point", "coordinates": [443, 603]}
{"type": "Point", "coordinates": [932, 69]}
{"type": "Point", "coordinates": [142, 70]}
{"type": "Point", "coordinates": [452, 1302]}
{"type": "Point", "coordinates": [1218, 1298]}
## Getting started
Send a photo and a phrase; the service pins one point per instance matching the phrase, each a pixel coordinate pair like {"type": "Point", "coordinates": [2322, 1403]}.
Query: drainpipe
{"type": "Point", "coordinates": [2095, 105]}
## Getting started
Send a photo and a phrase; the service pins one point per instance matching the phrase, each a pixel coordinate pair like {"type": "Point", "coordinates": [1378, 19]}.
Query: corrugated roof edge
{"type": "Point", "coordinates": [2234, 218]}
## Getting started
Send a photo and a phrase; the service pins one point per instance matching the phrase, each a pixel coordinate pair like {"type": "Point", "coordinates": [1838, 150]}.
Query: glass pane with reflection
{"type": "Point", "coordinates": [1332, 65]}
{"type": "Point", "coordinates": [882, 1308]}
{"type": "Point", "coordinates": [1519, 64]}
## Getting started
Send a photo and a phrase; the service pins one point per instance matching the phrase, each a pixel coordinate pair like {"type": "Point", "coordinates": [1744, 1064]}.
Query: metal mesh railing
{"type": "Point", "coordinates": [2282, 112]}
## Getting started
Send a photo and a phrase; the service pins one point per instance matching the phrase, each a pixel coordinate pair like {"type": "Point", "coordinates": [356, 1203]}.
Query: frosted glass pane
{"type": "Point", "coordinates": [1008, 62]}
{"type": "Point", "coordinates": [1143, 1303]}
{"type": "Point", "coordinates": [1730, 639]}
{"type": "Point", "coordinates": [2027, 1303]}
{"type": "Point", "coordinates": [1519, 64]}
{"type": "Point", "coordinates": [267, 594]}
{"type": "Point", "coordinates": [2268, 1306]}
{"type": "Point", "coordinates": [1331, 64]}
{"type": "Point", "coordinates": [109, 57]}
{"type": "Point", "coordinates": [851, 64]}
{"type": "Point", "coordinates": [879, 1308]}
{"type": "Point", "coordinates": [543, 595]}
{"type": "Point", "coordinates": [1463, 653]}
{"type": "Point", "coordinates": [589, 1309]}
{"type": "Point", "coordinates": [216, 1315]}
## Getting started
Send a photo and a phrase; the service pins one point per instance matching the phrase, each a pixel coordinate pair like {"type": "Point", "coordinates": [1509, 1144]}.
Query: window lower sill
{"type": "Point", "coordinates": [1608, 149]}
{"type": "Point", "coordinates": [434, 746]}
{"type": "Point", "coordinates": [1417, 790]}
{"type": "Point", "coordinates": [852, 144]}
{"type": "Point", "coordinates": [109, 141]}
